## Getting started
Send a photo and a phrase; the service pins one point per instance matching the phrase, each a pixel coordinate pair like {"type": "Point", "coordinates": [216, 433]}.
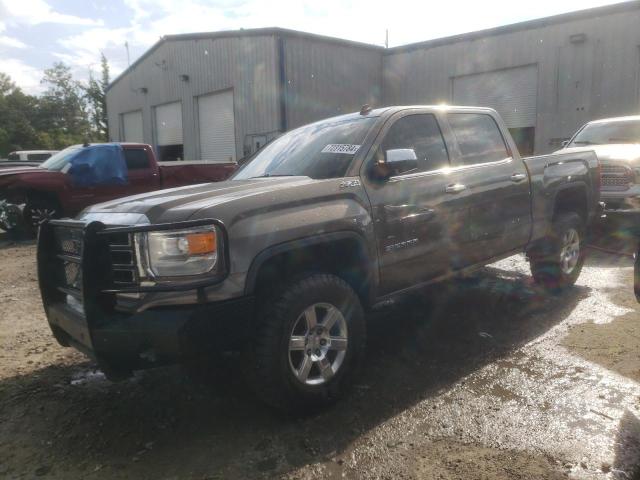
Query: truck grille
{"type": "Point", "coordinates": [70, 247]}
{"type": "Point", "coordinates": [616, 177]}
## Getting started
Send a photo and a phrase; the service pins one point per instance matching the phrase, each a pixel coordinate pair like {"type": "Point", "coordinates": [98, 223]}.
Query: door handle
{"type": "Point", "coordinates": [455, 188]}
{"type": "Point", "coordinates": [517, 177]}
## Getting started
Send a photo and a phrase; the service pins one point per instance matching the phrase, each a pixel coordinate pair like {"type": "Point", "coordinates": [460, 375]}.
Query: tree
{"type": "Point", "coordinates": [63, 110]}
{"type": "Point", "coordinates": [97, 99]}
{"type": "Point", "coordinates": [17, 111]}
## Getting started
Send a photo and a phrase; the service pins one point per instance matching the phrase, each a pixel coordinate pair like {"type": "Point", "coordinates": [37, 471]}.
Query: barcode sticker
{"type": "Point", "coordinates": [341, 148]}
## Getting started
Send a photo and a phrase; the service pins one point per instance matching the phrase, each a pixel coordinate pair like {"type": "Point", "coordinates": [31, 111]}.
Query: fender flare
{"type": "Point", "coordinates": [261, 258]}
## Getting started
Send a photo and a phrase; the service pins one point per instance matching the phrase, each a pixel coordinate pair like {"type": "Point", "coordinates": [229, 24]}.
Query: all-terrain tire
{"type": "Point", "coordinates": [279, 349]}
{"type": "Point", "coordinates": [557, 261]}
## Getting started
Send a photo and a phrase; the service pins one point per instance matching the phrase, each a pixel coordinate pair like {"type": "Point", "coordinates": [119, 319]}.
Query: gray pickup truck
{"type": "Point", "coordinates": [327, 222]}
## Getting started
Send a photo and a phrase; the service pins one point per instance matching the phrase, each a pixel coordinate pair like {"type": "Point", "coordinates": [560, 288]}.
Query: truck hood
{"type": "Point", "coordinates": [626, 153]}
{"type": "Point", "coordinates": [183, 203]}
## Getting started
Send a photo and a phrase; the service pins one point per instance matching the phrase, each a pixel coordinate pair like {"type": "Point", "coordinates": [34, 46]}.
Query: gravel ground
{"type": "Point", "coordinates": [486, 378]}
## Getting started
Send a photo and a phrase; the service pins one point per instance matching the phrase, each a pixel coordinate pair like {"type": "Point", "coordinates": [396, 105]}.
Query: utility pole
{"type": "Point", "coordinates": [386, 38]}
{"type": "Point", "coordinates": [126, 45]}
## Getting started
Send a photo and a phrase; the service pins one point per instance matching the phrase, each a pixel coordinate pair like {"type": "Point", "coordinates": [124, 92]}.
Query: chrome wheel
{"type": "Point", "coordinates": [318, 344]}
{"type": "Point", "coordinates": [37, 215]}
{"type": "Point", "coordinates": [570, 252]}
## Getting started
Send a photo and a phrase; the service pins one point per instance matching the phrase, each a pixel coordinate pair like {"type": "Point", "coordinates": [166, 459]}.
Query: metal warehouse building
{"type": "Point", "coordinates": [220, 96]}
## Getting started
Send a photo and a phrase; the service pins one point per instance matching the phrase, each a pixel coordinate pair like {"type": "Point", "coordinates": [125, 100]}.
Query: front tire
{"type": "Point", "coordinates": [557, 262]}
{"type": "Point", "coordinates": [308, 341]}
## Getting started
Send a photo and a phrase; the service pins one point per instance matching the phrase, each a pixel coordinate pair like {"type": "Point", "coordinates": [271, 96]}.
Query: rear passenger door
{"type": "Point", "coordinates": [409, 211]}
{"type": "Point", "coordinates": [494, 187]}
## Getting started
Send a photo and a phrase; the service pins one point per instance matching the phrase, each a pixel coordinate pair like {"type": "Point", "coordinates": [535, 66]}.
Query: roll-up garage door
{"type": "Point", "coordinates": [169, 124]}
{"type": "Point", "coordinates": [132, 127]}
{"type": "Point", "coordinates": [217, 127]}
{"type": "Point", "coordinates": [511, 92]}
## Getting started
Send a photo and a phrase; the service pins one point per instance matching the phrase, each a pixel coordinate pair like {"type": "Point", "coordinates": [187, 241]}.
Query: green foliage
{"type": "Point", "coordinates": [68, 112]}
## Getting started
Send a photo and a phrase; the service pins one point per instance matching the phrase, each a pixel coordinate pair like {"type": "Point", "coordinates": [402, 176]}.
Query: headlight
{"type": "Point", "coordinates": [178, 253]}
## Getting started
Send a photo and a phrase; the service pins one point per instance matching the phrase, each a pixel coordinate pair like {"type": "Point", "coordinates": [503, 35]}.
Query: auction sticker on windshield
{"type": "Point", "coordinates": [341, 148]}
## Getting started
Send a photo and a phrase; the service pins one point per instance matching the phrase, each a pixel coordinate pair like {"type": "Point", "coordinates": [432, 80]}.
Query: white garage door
{"type": "Point", "coordinates": [217, 127]}
{"type": "Point", "coordinates": [169, 124]}
{"type": "Point", "coordinates": [512, 93]}
{"type": "Point", "coordinates": [132, 127]}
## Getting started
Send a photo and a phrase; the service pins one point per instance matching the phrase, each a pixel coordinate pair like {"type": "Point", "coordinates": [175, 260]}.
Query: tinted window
{"type": "Point", "coordinates": [137, 159]}
{"type": "Point", "coordinates": [479, 138]}
{"type": "Point", "coordinates": [13, 157]}
{"type": "Point", "coordinates": [38, 157]}
{"type": "Point", "coordinates": [421, 134]}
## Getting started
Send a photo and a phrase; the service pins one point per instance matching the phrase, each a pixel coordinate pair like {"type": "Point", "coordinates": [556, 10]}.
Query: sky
{"type": "Point", "coordinates": [36, 33]}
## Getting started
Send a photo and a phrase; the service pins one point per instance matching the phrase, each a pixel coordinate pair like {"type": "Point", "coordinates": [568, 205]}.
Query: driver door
{"type": "Point", "coordinates": [410, 207]}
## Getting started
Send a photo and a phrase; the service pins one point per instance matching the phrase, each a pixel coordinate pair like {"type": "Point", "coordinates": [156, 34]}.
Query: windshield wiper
{"type": "Point", "coordinates": [267, 175]}
{"type": "Point", "coordinates": [584, 142]}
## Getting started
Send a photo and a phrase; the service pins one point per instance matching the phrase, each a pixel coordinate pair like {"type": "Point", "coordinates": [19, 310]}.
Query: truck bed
{"type": "Point", "coordinates": [551, 174]}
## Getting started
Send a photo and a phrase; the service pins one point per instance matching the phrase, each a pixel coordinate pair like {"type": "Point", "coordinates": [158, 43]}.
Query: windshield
{"type": "Point", "coordinates": [58, 161]}
{"type": "Point", "coordinates": [627, 131]}
{"type": "Point", "coordinates": [320, 150]}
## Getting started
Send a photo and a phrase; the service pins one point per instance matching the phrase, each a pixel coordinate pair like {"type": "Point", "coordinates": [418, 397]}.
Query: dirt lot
{"type": "Point", "coordinates": [485, 378]}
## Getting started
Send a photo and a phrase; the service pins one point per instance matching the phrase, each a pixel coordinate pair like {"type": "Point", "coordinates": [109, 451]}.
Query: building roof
{"type": "Point", "coordinates": [277, 31]}
{"type": "Point", "coordinates": [251, 32]}
{"type": "Point", "coordinates": [520, 26]}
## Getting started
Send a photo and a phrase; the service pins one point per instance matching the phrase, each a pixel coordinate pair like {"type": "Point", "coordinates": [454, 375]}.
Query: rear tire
{"type": "Point", "coordinates": [308, 341]}
{"type": "Point", "coordinates": [557, 262]}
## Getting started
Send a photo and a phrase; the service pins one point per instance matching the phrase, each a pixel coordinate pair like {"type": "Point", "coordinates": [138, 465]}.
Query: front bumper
{"type": "Point", "coordinates": [77, 281]}
{"type": "Point", "coordinates": [622, 202]}
{"type": "Point", "coordinates": [155, 337]}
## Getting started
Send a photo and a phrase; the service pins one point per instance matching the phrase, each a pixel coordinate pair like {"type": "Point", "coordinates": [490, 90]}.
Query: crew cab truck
{"type": "Point", "coordinates": [55, 188]}
{"type": "Point", "coordinates": [616, 142]}
{"type": "Point", "coordinates": [329, 221]}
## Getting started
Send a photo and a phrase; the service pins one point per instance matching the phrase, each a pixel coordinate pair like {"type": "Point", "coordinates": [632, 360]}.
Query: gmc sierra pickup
{"type": "Point", "coordinates": [328, 221]}
{"type": "Point", "coordinates": [53, 189]}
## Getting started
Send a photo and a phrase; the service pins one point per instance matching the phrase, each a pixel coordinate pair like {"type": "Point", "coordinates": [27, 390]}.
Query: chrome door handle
{"type": "Point", "coordinates": [518, 177]}
{"type": "Point", "coordinates": [455, 188]}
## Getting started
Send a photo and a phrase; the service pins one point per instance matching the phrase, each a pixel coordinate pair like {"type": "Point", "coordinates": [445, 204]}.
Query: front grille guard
{"type": "Point", "coordinates": [99, 261]}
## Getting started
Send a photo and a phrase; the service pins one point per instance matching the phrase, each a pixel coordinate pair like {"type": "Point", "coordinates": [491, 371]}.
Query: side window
{"type": "Point", "coordinates": [136, 158]}
{"type": "Point", "coordinates": [38, 157]}
{"type": "Point", "coordinates": [479, 138]}
{"type": "Point", "coordinates": [422, 134]}
{"type": "Point", "coordinates": [14, 157]}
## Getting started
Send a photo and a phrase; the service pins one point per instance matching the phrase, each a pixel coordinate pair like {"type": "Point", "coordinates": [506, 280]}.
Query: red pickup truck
{"type": "Point", "coordinates": [29, 195]}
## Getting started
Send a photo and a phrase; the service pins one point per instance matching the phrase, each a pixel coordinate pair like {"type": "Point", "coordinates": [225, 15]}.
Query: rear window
{"type": "Point", "coordinates": [136, 158]}
{"type": "Point", "coordinates": [478, 137]}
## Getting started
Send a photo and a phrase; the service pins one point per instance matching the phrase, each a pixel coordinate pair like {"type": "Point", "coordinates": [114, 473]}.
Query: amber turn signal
{"type": "Point", "coordinates": [201, 243]}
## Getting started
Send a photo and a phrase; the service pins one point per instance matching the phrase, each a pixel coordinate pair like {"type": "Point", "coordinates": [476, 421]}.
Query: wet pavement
{"type": "Point", "coordinates": [486, 377]}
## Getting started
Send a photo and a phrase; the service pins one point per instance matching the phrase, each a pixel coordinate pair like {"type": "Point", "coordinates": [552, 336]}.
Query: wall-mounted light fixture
{"type": "Point", "coordinates": [184, 77]}
{"type": "Point", "coordinates": [578, 38]}
{"type": "Point", "coordinates": [143, 89]}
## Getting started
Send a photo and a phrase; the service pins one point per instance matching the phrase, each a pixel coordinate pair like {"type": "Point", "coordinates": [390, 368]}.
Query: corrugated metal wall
{"type": "Point", "coordinates": [324, 79]}
{"type": "Point", "coordinates": [577, 82]}
{"type": "Point", "coordinates": [248, 64]}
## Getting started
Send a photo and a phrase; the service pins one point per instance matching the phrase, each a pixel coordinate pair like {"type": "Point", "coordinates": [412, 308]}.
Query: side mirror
{"type": "Point", "coordinates": [565, 143]}
{"type": "Point", "coordinates": [396, 162]}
